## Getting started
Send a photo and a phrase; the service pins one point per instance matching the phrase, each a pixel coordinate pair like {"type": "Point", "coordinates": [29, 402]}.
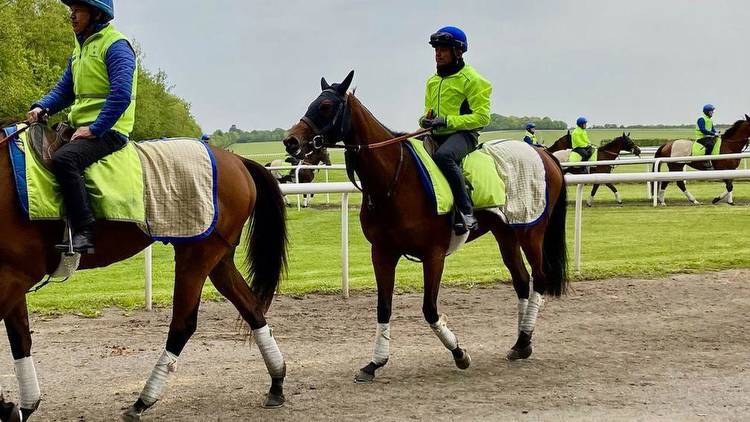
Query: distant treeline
{"type": "Point", "coordinates": [498, 122]}
{"type": "Point", "coordinates": [238, 136]}
{"type": "Point", "coordinates": [36, 40]}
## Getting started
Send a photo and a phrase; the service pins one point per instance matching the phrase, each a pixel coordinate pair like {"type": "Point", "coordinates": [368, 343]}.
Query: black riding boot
{"type": "Point", "coordinates": [80, 216]}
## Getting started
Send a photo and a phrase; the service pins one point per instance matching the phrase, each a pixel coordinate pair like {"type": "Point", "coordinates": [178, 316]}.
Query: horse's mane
{"type": "Point", "coordinates": [359, 103]}
{"type": "Point", "coordinates": [7, 121]}
{"type": "Point", "coordinates": [732, 130]}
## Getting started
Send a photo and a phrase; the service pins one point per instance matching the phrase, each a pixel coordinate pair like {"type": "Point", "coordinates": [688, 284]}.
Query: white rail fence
{"type": "Point", "coordinates": [299, 167]}
{"type": "Point", "coordinates": [346, 188]}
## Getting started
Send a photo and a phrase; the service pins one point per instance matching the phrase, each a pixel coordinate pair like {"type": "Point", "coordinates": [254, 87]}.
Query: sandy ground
{"type": "Point", "coordinates": [624, 349]}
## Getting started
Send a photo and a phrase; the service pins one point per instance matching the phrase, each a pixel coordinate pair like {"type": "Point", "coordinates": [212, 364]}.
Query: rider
{"type": "Point", "coordinates": [457, 106]}
{"type": "Point", "coordinates": [705, 134]}
{"type": "Point", "coordinates": [580, 140]}
{"type": "Point", "coordinates": [530, 137]}
{"type": "Point", "coordinates": [100, 83]}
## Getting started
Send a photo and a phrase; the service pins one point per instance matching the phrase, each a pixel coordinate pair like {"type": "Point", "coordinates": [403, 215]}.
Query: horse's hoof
{"type": "Point", "coordinates": [10, 412]}
{"type": "Point", "coordinates": [364, 378]}
{"type": "Point", "coordinates": [131, 415]}
{"type": "Point", "coordinates": [519, 353]}
{"type": "Point", "coordinates": [730, 203]}
{"type": "Point", "coordinates": [716, 200]}
{"type": "Point", "coordinates": [619, 204]}
{"type": "Point", "coordinates": [696, 202]}
{"type": "Point", "coordinates": [464, 361]}
{"type": "Point", "coordinates": [274, 401]}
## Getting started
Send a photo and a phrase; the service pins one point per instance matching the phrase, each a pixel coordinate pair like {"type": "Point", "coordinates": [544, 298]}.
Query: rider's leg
{"type": "Point", "coordinates": [448, 158]}
{"type": "Point", "coordinates": [68, 164]}
{"type": "Point", "coordinates": [708, 143]}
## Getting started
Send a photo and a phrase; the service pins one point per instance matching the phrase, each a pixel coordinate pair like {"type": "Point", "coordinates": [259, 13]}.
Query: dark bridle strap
{"type": "Point", "coordinates": [16, 133]}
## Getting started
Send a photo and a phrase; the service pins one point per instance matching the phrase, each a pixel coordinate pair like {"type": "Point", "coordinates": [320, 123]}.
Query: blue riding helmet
{"type": "Point", "coordinates": [530, 126]}
{"type": "Point", "coordinates": [450, 36]}
{"type": "Point", "coordinates": [581, 121]}
{"type": "Point", "coordinates": [205, 137]}
{"type": "Point", "coordinates": [708, 107]}
{"type": "Point", "coordinates": [107, 7]}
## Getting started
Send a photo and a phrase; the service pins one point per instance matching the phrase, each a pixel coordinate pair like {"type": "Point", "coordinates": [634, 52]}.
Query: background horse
{"type": "Point", "coordinates": [398, 219]}
{"type": "Point", "coordinates": [307, 156]}
{"type": "Point", "coordinates": [609, 151]}
{"type": "Point", "coordinates": [245, 189]}
{"type": "Point", "coordinates": [734, 140]}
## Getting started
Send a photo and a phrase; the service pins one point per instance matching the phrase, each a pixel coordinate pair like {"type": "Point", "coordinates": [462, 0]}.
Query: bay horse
{"type": "Point", "coordinates": [398, 219]}
{"type": "Point", "coordinates": [609, 151]}
{"type": "Point", "coordinates": [306, 157]}
{"type": "Point", "coordinates": [246, 190]}
{"type": "Point", "coordinates": [734, 140]}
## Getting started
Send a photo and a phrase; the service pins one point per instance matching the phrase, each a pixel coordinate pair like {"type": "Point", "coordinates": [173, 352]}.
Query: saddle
{"type": "Point", "coordinates": [45, 141]}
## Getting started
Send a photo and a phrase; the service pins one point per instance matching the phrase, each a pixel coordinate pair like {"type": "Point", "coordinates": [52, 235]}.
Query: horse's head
{"type": "Point", "coordinates": [564, 142]}
{"type": "Point", "coordinates": [325, 122]}
{"type": "Point", "coordinates": [629, 145]}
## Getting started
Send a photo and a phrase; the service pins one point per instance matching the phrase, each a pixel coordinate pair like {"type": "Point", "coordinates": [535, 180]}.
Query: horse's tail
{"type": "Point", "coordinates": [659, 151]}
{"type": "Point", "coordinates": [266, 236]}
{"type": "Point", "coordinates": [554, 248]}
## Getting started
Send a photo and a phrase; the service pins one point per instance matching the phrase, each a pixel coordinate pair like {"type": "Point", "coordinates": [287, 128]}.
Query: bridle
{"type": "Point", "coordinates": [333, 135]}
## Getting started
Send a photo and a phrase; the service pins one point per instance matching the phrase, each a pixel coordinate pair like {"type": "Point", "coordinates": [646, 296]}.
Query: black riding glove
{"type": "Point", "coordinates": [433, 123]}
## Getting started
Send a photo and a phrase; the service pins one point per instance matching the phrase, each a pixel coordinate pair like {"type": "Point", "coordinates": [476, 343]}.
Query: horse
{"type": "Point", "coordinates": [398, 219]}
{"type": "Point", "coordinates": [609, 151]}
{"type": "Point", "coordinates": [246, 190]}
{"type": "Point", "coordinates": [734, 140]}
{"type": "Point", "coordinates": [306, 157]}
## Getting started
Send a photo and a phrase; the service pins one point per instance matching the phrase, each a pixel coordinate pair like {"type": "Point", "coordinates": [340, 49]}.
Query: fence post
{"type": "Point", "coordinates": [345, 245]}
{"type": "Point", "coordinates": [296, 180]}
{"type": "Point", "coordinates": [577, 235]}
{"type": "Point", "coordinates": [657, 163]}
{"type": "Point", "coordinates": [147, 262]}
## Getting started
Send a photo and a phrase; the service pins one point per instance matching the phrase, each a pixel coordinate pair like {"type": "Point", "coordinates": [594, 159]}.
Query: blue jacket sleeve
{"type": "Point", "coordinates": [702, 127]}
{"type": "Point", "coordinates": [120, 62]}
{"type": "Point", "coordinates": [528, 140]}
{"type": "Point", "coordinates": [61, 96]}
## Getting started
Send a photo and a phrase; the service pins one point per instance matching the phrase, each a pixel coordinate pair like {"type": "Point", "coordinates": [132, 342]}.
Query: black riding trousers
{"type": "Point", "coordinates": [451, 151]}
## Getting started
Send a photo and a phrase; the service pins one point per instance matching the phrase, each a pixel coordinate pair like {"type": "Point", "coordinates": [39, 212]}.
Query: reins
{"type": "Point", "coordinates": [364, 147]}
{"type": "Point", "coordinates": [16, 133]}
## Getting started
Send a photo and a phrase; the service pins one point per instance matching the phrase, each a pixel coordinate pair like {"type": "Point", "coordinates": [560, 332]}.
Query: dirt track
{"type": "Point", "coordinates": [666, 349]}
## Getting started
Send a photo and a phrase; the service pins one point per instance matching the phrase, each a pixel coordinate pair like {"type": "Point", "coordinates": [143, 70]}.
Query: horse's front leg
{"type": "Point", "coordinates": [19, 335]}
{"type": "Point", "coordinates": [590, 200]}
{"type": "Point", "coordinates": [614, 191]}
{"type": "Point", "coordinates": [433, 272]}
{"type": "Point", "coordinates": [726, 194]}
{"type": "Point", "coordinates": [384, 262]}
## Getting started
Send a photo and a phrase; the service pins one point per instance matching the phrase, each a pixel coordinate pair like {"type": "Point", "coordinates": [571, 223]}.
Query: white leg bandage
{"type": "Point", "coordinates": [590, 201]}
{"type": "Point", "coordinates": [660, 197]}
{"type": "Point", "coordinates": [730, 199]}
{"type": "Point", "coordinates": [522, 304]}
{"type": "Point", "coordinates": [270, 351]}
{"type": "Point", "coordinates": [532, 310]}
{"type": "Point", "coordinates": [723, 195]}
{"type": "Point", "coordinates": [690, 197]}
{"type": "Point", "coordinates": [617, 197]}
{"type": "Point", "coordinates": [157, 382]}
{"type": "Point", "coordinates": [28, 385]}
{"type": "Point", "coordinates": [444, 334]}
{"type": "Point", "coordinates": [382, 344]}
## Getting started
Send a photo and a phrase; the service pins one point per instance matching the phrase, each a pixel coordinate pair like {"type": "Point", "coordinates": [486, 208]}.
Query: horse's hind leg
{"type": "Point", "coordinates": [510, 250]}
{"type": "Point", "coordinates": [230, 283]}
{"type": "Point", "coordinates": [532, 244]}
{"type": "Point", "coordinates": [433, 272]}
{"type": "Point", "coordinates": [688, 195]}
{"type": "Point", "coordinates": [19, 335]}
{"type": "Point", "coordinates": [384, 262]}
{"type": "Point", "coordinates": [193, 262]}
{"type": "Point", "coordinates": [590, 200]}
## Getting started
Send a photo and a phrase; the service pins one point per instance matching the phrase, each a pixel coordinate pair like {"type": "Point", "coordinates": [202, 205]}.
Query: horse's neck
{"type": "Point", "coordinates": [612, 148]}
{"type": "Point", "coordinates": [377, 167]}
{"type": "Point", "coordinates": [735, 144]}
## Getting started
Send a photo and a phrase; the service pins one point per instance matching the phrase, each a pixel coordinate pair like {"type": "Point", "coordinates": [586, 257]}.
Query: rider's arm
{"type": "Point", "coordinates": [61, 96]}
{"type": "Point", "coordinates": [120, 62]}
{"type": "Point", "coordinates": [478, 92]}
{"type": "Point", "coordinates": [528, 140]}
{"type": "Point", "coordinates": [702, 127]}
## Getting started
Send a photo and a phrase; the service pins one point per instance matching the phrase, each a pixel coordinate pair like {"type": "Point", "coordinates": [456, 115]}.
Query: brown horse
{"type": "Point", "coordinates": [309, 156]}
{"type": "Point", "coordinates": [734, 140]}
{"type": "Point", "coordinates": [245, 190]}
{"type": "Point", "coordinates": [398, 220]}
{"type": "Point", "coordinates": [609, 151]}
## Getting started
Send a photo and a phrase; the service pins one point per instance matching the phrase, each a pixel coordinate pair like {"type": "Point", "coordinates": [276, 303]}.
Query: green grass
{"type": "Point", "coordinates": [635, 240]}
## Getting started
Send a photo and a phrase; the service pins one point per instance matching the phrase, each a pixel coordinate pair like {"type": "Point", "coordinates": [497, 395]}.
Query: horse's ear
{"type": "Point", "coordinates": [324, 85]}
{"type": "Point", "coordinates": [568, 131]}
{"type": "Point", "coordinates": [747, 118]}
{"type": "Point", "coordinates": [344, 86]}
{"type": "Point", "coordinates": [628, 134]}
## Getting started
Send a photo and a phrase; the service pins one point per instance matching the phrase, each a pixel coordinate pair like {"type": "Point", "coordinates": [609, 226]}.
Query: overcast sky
{"type": "Point", "coordinates": [257, 64]}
